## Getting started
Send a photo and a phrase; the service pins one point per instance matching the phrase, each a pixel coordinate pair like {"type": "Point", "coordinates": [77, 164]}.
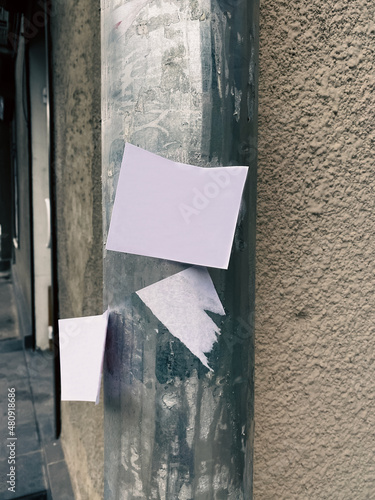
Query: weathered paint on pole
{"type": "Point", "coordinates": [179, 79]}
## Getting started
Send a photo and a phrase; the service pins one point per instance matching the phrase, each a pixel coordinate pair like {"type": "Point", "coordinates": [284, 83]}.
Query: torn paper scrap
{"type": "Point", "coordinates": [180, 302]}
{"type": "Point", "coordinates": [175, 211]}
{"type": "Point", "coordinates": [82, 342]}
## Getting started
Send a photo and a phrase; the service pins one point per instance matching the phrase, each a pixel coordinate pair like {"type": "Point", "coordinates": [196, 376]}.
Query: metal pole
{"type": "Point", "coordinates": [179, 79]}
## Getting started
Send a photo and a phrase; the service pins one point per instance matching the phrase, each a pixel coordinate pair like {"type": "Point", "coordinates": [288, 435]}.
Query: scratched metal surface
{"type": "Point", "coordinates": [179, 79]}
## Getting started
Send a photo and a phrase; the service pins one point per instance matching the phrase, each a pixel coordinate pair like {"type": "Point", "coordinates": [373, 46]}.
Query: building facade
{"type": "Point", "coordinates": [75, 105]}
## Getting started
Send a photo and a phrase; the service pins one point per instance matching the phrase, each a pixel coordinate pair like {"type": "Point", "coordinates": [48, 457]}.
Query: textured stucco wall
{"type": "Point", "coordinates": [314, 388]}
{"type": "Point", "coordinates": [76, 88]}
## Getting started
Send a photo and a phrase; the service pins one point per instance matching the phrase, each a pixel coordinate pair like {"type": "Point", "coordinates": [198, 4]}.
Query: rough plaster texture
{"type": "Point", "coordinates": [76, 88]}
{"type": "Point", "coordinates": [314, 389]}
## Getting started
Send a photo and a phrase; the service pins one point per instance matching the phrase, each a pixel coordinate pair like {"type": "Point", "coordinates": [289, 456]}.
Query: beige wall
{"type": "Point", "coordinates": [315, 323]}
{"type": "Point", "coordinates": [76, 89]}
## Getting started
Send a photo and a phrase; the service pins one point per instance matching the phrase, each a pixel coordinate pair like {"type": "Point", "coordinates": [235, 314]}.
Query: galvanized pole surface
{"type": "Point", "coordinates": [179, 79]}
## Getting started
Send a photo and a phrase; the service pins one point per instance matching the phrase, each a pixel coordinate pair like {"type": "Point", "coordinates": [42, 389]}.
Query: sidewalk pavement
{"type": "Point", "coordinates": [40, 469]}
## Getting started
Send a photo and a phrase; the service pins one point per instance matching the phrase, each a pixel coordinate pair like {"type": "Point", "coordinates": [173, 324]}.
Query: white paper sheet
{"type": "Point", "coordinates": [82, 342]}
{"type": "Point", "coordinates": [180, 302]}
{"type": "Point", "coordinates": [175, 211]}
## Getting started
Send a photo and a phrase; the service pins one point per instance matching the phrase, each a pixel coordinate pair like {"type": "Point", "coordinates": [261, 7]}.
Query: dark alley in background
{"type": "Point", "coordinates": [28, 356]}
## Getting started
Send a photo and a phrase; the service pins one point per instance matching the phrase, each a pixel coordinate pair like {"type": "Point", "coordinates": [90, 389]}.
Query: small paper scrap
{"type": "Point", "coordinates": [180, 302]}
{"type": "Point", "coordinates": [175, 211]}
{"type": "Point", "coordinates": [82, 342]}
